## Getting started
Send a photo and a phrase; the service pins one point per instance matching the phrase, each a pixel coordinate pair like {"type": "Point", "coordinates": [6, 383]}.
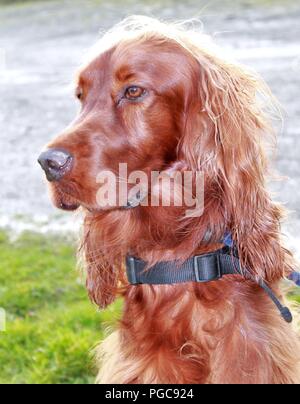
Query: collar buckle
{"type": "Point", "coordinates": [207, 268]}
{"type": "Point", "coordinates": [131, 270]}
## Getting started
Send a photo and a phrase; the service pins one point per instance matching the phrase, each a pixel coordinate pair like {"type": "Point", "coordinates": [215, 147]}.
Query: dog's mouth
{"type": "Point", "coordinates": [69, 207]}
{"type": "Point", "coordinates": [66, 197]}
{"type": "Point", "coordinates": [63, 200]}
{"type": "Point", "coordinates": [67, 203]}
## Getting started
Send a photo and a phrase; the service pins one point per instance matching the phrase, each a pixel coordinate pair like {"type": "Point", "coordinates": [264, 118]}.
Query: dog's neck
{"type": "Point", "coordinates": [157, 234]}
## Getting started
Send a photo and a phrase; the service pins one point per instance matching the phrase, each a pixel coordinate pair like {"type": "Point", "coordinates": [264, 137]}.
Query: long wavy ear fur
{"type": "Point", "coordinates": [102, 276]}
{"type": "Point", "coordinates": [226, 132]}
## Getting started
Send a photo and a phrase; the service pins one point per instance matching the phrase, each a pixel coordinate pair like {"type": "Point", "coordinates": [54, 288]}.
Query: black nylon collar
{"type": "Point", "coordinates": [201, 269]}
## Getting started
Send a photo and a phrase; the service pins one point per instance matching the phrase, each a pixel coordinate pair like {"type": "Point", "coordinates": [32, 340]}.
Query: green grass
{"type": "Point", "coordinates": [51, 325]}
{"type": "Point", "coordinates": [295, 295]}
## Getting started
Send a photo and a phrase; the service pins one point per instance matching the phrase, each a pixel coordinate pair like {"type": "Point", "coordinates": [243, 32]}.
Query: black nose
{"type": "Point", "coordinates": [55, 163]}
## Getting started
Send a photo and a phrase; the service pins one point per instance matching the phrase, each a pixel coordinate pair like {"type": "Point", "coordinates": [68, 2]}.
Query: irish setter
{"type": "Point", "coordinates": [160, 97]}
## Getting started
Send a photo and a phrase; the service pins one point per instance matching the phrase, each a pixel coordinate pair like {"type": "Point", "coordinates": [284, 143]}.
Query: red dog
{"type": "Point", "coordinates": [156, 97]}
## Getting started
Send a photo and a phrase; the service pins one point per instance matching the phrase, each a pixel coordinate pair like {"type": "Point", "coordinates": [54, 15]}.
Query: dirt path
{"type": "Point", "coordinates": [43, 44]}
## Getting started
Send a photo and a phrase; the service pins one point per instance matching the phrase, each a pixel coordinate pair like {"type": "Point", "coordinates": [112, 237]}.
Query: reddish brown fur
{"type": "Point", "coordinates": [200, 114]}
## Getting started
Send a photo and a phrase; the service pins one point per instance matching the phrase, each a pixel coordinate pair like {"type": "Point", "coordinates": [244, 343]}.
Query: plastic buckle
{"type": "Point", "coordinates": [207, 268]}
{"type": "Point", "coordinates": [131, 270]}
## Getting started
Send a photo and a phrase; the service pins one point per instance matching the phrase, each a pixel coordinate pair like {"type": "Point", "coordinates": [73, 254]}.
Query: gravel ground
{"type": "Point", "coordinates": [42, 43]}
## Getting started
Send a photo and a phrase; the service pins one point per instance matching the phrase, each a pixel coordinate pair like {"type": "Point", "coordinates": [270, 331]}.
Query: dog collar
{"type": "Point", "coordinates": [201, 269]}
{"type": "Point", "coordinates": [295, 277]}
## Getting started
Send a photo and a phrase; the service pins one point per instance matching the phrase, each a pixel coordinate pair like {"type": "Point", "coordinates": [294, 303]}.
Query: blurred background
{"type": "Point", "coordinates": [50, 325]}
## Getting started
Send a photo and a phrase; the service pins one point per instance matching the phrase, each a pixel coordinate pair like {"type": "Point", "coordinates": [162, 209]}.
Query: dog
{"type": "Point", "coordinates": [161, 97]}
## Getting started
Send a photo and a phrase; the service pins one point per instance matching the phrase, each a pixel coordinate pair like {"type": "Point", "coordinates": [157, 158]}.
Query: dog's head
{"type": "Point", "coordinates": [134, 99]}
{"type": "Point", "coordinates": [155, 96]}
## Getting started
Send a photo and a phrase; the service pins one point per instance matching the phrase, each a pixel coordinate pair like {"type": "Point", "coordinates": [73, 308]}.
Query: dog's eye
{"type": "Point", "coordinates": [133, 93]}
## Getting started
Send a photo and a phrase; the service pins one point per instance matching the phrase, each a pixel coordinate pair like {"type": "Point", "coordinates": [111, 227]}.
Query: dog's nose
{"type": "Point", "coordinates": [55, 163]}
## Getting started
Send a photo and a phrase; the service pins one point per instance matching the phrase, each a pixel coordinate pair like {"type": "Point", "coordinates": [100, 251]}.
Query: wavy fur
{"type": "Point", "coordinates": [210, 115]}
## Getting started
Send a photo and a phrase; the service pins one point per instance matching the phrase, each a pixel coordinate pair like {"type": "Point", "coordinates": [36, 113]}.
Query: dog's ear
{"type": "Point", "coordinates": [102, 276]}
{"type": "Point", "coordinates": [226, 132]}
